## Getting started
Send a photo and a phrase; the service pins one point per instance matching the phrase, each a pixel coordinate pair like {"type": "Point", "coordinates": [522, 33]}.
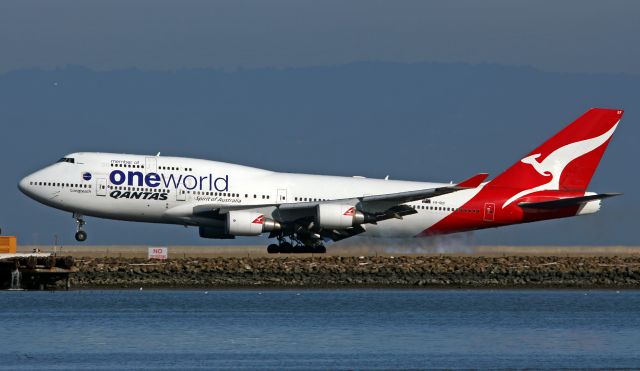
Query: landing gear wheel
{"type": "Point", "coordinates": [320, 249]}
{"type": "Point", "coordinates": [273, 249]}
{"type": "Point", "coordinates": [81, 236]}
{"type": "Point", "coordinates": [286, 247]}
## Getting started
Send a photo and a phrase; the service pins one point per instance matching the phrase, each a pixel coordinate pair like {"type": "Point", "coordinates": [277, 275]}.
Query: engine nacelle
{"type": "Point", "coordinates": [336, 216]}
{"type": "Point", "coordinates": [249, 223]}
{"type": "Point", "coordinates": [214, 232]}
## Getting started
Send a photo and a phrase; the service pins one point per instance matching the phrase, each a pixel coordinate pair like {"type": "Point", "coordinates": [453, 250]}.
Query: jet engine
{"type": "Point", "coordinates": [249, 223]}
{"type": "Point", "coordinates": [215, 232]}
{"type": "Point", "coordinates": [336, 216]}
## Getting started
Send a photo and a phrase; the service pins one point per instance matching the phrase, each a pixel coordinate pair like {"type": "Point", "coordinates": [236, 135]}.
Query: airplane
{"type": "Point", "coordinates": [303, 211]}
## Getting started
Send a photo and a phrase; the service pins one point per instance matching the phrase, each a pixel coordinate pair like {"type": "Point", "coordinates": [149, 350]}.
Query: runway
{"type": "Point", "coordinates": [140, 251]}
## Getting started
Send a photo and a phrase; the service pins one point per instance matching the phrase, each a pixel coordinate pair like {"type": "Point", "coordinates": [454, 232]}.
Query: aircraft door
{"type": "Point", "coordinates": [181, 194]}
{"type": "Point", "coordinates": [101, 187]}
{"type": "Point", "coordinates": [282, 196]}
{"type": "Point", "coordinates": [151, 164]}
{"type": "Point", "coordinates": [489, 211]}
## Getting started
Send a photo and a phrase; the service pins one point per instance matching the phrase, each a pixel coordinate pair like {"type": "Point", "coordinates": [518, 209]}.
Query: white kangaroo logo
{"type": "Point", "coordinates": [554, 164]}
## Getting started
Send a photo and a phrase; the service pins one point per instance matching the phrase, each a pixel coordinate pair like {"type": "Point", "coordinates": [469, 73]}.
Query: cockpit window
{"type": "Point", "coordinates": [67, 159]}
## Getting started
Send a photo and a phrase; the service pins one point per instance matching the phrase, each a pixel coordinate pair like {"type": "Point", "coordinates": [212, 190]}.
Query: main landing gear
{"type": "Point", "coordinates": [81, 235]}
{"type": "Point", "coordinates": [285, 247]}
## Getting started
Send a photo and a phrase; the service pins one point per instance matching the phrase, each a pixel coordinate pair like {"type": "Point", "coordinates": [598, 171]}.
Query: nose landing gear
{"type": "Point", "coordinates": [81, 235]}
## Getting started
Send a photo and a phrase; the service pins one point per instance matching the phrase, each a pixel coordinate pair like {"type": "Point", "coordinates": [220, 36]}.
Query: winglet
{"type": "Point", "coordinates": [474, 181]}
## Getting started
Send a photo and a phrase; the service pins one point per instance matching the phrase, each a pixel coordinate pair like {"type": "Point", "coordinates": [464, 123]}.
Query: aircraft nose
{"type": "Point", "coordinates": [23, 186]}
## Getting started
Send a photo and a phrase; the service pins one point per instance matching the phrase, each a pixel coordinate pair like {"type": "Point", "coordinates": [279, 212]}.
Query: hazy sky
{"type": "Point", "coordinates": [432, 91]}
{"type": "Point", "coordinates": [429, 121]}
{"type": "Point", "coordinates": [567, 36]}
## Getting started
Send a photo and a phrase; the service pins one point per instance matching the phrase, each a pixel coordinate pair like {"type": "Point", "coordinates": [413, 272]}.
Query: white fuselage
{"type": "Point", "coordinates": [160, 189]}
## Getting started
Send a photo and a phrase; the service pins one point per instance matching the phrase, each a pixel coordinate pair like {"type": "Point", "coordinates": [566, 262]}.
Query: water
{"type": "Point", "coordinates": [319, 329]}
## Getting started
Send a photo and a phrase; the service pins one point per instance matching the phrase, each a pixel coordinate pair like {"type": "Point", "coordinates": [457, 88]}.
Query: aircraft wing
{"type": "Point", "coordinates": [368, 203]}
{"type": "Point", "coordinates": [381, 202]}
{"type": "Point", "coordinates": [375, 207]}
{"type": "Point", "coordinates": [299, 216]}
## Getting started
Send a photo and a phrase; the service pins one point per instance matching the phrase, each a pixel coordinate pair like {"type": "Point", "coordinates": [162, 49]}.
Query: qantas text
{"type": "Point", "coordinates": [139, 195]}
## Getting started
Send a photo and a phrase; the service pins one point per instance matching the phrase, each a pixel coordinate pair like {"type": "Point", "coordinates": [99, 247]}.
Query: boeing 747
{"type": "Point", "coordinates": [303, 211]}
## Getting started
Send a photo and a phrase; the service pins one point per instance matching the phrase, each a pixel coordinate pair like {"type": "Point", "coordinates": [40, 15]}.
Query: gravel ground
{"type": "Point", "coordinates": [414, 271]}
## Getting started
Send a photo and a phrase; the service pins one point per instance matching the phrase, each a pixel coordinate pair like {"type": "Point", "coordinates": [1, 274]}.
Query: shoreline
{"type": "Point", "coordinates": [352, 288]}
{"type": "Point", "coordinates": [378, 272]}
{"type": "Point", "coordinates": [400, 248]}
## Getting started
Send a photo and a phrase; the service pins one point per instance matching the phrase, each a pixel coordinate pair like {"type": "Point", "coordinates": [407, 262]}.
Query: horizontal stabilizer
{"type": "Point", "coordinates": [565, 202]}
